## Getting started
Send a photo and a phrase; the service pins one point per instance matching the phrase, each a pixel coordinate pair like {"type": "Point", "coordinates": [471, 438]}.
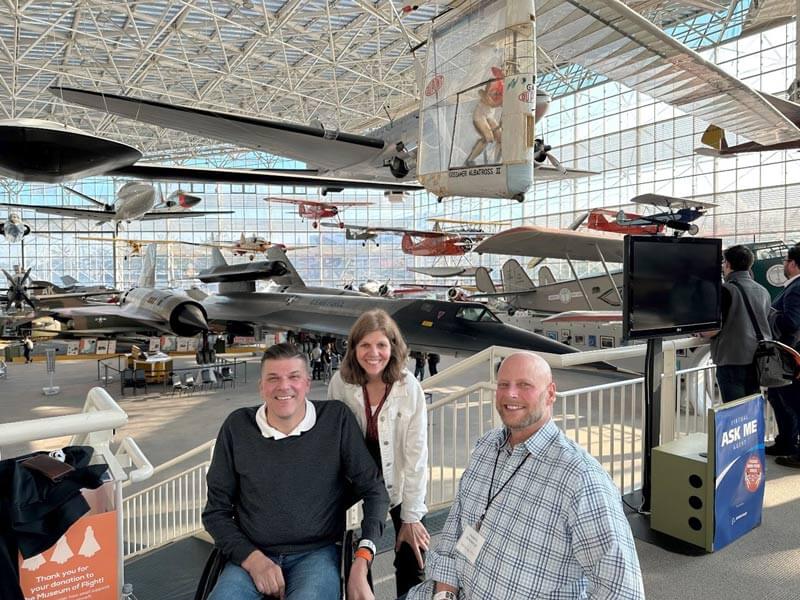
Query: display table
{"type": "Point", "coordinates": [156, 368]}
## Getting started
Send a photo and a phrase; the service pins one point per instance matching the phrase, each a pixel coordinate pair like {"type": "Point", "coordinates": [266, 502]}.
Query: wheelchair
{"type": "Point", "coordinates": [216, 562]}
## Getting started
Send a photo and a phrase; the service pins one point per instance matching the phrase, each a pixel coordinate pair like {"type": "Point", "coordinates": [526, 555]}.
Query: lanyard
{"type": "Point", "coordinates": [490, 498]}
{"type": "Point", "coordinates": [372, 418]}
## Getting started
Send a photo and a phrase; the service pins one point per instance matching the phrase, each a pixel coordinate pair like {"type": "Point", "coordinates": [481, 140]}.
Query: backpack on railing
{"type": "Point", "coordinates": [774, 361]}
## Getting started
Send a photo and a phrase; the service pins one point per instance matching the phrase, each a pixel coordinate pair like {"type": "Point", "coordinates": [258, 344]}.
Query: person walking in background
{"type": "Point", "coordinates": [419, 365]}
{"type": "Point", "coordinates": [27, 349]}
{"type": "Point", "coordinates": [433, 363]}
{"type": "Point", "coordinates": [389, 405]}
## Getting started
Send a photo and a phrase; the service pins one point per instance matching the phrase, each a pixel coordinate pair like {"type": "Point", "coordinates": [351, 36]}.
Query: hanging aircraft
{"type": "Point", "coordinates": [14, 229]}
{"type": "Point", "coordinates": [475, 134]}
{"type": "Point", "coordinates": [435, 242]}
{"type": "Point", "coordinates": [246, 245]}
{"type": "Point", "coordinates": [598, 221]}
{"type": "Point", "coordinates": [716, 144]}
{"type": "Point", "coordinates": [135, 200]}
{"type": "Point", "coordinates": [360, 235]}
{"type": "Point", "coordinates": [316, 210]}
{"type": "Point", "coordinates": [679, 216]}
{"type": "Point", "coordinates": [47, 152]}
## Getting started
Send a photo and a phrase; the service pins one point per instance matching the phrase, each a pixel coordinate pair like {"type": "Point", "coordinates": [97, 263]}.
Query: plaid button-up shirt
{"type": "Point", "coordinates": [556, 531]}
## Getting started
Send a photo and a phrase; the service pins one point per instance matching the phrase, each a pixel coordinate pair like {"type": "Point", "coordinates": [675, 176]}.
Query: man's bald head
{"type": "Point", "coordinates": [525, 394]}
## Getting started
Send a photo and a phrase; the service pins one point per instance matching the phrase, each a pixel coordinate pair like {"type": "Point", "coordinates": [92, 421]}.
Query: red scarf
{"type": "Point", "coordinates": [372, 418]}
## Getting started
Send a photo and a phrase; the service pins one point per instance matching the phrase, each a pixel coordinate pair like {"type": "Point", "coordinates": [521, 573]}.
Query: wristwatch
{"type": "Point", "coordinates": [445, 595]}
{"type": "Point", "coordinates": [369, 545]}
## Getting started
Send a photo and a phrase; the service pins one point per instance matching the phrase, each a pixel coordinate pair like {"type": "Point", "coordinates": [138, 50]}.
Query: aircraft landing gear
{"type": "Point", "coordinates": [519, 197]}
{"type": "Point", "coordinates": [206, 354]}
{"type": "Point", "coordinates": [439, 199]}
{"type": "Point", "coordinates": [314, 224]}
{"type": "Point", "coordinates": [693, 229]}
{"type": "Point", "coordinates": [341, 225]}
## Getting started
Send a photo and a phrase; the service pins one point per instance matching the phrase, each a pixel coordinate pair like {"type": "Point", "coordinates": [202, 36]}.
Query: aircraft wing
{"type": "Point", "coordinates": [608, 37]}
{"type": "Point", "coordinates": [445, 271]}
{"type": "Point", "coordinates": [182, 214]}
{"type": "Point", "coordinates": [548, 172]}
{"type": "Point", "coordinates": [314, 145]}
{"type": "Point", "coordinates": [670, 202]}
{"type": "Point", "coordinates": [75, 213]}
{"type": "Point", "coordinates": [530, 240]}
{"type": "Point", "coordinates": [255, 176]}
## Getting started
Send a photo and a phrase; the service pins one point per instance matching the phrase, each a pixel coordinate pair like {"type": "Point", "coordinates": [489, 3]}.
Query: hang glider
{"type": "Point", "coordinates": [42, 151]}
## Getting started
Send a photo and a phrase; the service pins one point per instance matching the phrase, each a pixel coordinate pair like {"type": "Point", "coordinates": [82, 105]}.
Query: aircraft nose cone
{"type": "Point", "coordinates": [189, 319]}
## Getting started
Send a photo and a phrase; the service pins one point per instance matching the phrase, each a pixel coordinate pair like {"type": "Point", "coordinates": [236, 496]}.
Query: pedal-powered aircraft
{"type": "Point", "coordinates": [476, 130]}
{"type": "Point", "coordinates": [316, 210]}
{"type": "Point", "coordinates": [679, 216]}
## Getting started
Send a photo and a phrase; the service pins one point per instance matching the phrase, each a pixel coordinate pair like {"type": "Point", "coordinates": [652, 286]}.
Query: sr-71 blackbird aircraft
{"type": "Point", "coordinates": [427, 325]}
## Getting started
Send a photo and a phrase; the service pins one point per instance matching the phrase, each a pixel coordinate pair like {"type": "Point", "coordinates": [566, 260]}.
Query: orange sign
{"type": "Point", "coordinates": [82, 565]}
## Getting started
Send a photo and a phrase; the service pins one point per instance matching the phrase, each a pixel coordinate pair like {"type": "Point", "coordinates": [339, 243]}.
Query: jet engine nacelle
{"type": "Point", "coordinates": [186, 317]}
{"type": "Point", "coordinates": [181, 199]}
{"type": "Point", "coordinates": [457, 294]}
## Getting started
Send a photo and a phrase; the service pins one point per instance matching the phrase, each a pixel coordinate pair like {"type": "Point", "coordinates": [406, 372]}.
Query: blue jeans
{"type": "Point", "coordinates": [737, 381]}
{"type": "Point", "coordinates": [313, 574]}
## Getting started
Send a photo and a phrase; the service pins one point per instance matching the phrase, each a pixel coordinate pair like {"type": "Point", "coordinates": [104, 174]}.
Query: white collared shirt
{"type": "Point", "coordinates": [790, 280]}
{"type": "Point", "coordinates": [270, 432]}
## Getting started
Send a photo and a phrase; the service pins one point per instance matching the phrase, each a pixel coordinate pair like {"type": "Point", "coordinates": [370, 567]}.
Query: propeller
{"type": "Point", "coordinates": [541, 151]}
{"type": "Point", "coordinates": [16, 295]}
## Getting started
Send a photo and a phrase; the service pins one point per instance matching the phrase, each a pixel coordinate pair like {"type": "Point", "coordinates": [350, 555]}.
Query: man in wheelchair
{"type": "Point", "coordinates": [281, 479]}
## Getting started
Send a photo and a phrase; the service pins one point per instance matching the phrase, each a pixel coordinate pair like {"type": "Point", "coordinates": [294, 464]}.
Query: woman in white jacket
{"type": "Point", "coordinates": [389, 405]}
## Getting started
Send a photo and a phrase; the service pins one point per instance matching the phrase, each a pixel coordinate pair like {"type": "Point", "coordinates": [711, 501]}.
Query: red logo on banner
{"type": "Point", "coordinates": [753, 473]}
{"type": "Point", "coordinates": [434, 85]}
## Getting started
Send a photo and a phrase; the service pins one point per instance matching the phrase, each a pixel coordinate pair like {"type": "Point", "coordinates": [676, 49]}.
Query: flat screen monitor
{"type": "Point", "coordinates": [672, 286]}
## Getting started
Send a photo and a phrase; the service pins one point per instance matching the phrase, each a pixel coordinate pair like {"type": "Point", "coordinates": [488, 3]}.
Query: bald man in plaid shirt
{"type": "Point", "coordinates": [535, 515]}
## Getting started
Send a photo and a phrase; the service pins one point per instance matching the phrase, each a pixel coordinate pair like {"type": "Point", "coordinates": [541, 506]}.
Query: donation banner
{"type": "Point", "coordinates": [739, 465]}
{"type": "Point", "coordinates": [82, 565]}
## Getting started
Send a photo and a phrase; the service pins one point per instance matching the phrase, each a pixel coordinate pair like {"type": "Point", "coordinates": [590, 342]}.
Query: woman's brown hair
{"type": "Point", "coordinates": [374, 320]}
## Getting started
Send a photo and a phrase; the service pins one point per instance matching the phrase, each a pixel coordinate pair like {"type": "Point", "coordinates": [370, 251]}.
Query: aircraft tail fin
{"type": "Point", "coordinates": [483, 281]}
{"type": "Point", "coordinates": [68, 281]}
{"type": "Point", "coordinates": [546, 276]}
{"type": "Point", "coordinates": [597, 220]}
{"type": "Point", "coordinates": [217, 259]}
{"type": "Point", "coordinates": [292, 278]}
{"type": "Point", "coordinates": [515, 279]}
{"type": "Point", "coordinates": [147, 278]}
{"type": "Point", "coordinates": [714, 137]}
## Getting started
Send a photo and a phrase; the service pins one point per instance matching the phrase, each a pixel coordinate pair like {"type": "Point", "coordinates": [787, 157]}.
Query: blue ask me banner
{"type": "Point", "coordinates": [739, 466]}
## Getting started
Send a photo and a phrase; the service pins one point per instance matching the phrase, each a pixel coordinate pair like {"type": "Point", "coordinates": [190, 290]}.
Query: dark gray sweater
{"type": "Point", "coordinates": [290, 495]}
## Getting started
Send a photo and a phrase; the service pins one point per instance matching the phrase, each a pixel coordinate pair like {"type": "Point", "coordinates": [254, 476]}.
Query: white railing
{"type": "Point", "coordinates": [606, 419]}
{"type": "Point", "coordinates": [93, 426]}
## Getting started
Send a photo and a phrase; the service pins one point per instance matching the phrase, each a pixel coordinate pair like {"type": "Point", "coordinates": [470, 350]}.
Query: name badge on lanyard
{"type": "Point", "coordinates": [470, 544]}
